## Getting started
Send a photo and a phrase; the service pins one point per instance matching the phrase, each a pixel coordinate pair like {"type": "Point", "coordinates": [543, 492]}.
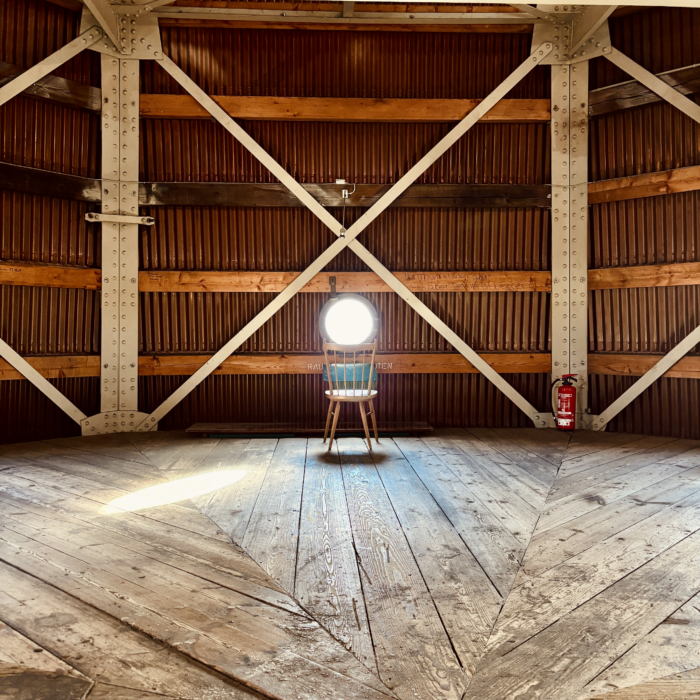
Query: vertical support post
{"type": "Point", "coordinates": [120, 162]}
{"type": "Point", "coordinates": [570, 228]}
{"type": "Point", "coordinates": [578, 246]}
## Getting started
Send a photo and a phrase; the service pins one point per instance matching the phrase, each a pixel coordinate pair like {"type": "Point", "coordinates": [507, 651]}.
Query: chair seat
{"type": "Point", "coordinates": [351, 395]}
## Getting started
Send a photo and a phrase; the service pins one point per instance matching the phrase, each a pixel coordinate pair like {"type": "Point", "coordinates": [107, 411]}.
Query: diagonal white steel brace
{"type": "Point", "coordinates": [586, 23]}
{"type": "Point", "coordinates": [104, 14]}
{"type": "Point", "coordinates": [655, 84]}
{"type": "Point", "coordinates": [49, 64]}
{"type": "Point", "coordinates": [347, 238]}
{"type": "Point", "coordinates": [41, 383]}
{"type": "Point", "coordinates": [656, 372]}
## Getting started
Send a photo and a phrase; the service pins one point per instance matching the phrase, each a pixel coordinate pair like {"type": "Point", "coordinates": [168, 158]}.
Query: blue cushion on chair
{"type": "Point", "coordinates": [359, 370]}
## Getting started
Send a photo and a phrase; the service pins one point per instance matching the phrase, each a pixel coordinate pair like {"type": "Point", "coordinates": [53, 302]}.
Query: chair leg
{"type": "Point", "coordinates": [361, 404]}
{"type": "Point", "coordinates": [328, 420]}
{"type": "Point", "coordinates": [374, 422]}
{"type": "Point", "coordinates": [336, 413]}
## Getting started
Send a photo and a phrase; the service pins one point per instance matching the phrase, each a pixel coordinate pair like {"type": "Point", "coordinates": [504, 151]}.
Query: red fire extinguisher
{"type": "Point", "coordinates": [565, 418]}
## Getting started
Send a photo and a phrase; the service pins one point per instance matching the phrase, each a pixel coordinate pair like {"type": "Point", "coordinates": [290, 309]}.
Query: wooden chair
{"type": "Point", "coordinates": [351, 375]}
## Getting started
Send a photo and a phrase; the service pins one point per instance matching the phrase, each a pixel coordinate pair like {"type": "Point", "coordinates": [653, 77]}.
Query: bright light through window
{"type": "Point", "coordinates": [349, 322]}
{"type": "Point", "coordinates": [174, 491]}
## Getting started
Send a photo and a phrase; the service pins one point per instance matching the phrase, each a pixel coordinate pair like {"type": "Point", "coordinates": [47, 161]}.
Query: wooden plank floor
{"type": "Point", "coordinates": [471, 564]}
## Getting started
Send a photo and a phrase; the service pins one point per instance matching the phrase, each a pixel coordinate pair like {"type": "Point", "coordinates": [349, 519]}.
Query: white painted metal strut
{"type": "Point", "coordinates": [570, 228]}
{"type": "Point", "coordinates": [49, 64]}
{"type": "Point", "coordinates": [586, 24]}
{"type": "Point", "coordinates": [655, 84]}
{"type": "Point", "coordinates": [119, 218]}
{"type": "Point", "coordinates": [347, 238]}
{"type": "Point", "coordinates": [41, 383]}
{"type": "Point", "coordinates": [104, 14]}
{"type": "Point", "coordinates": [656, 372]}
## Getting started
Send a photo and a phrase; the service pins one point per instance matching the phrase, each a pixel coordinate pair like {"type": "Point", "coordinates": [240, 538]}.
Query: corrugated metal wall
{"type": "Point", "coordinates": [41, 134]}
{"type": "Point", "coordinates": [352, 64]}
{"type": "Point", "coordinates": [648, 231]}
{"type": "Point", "coordinates": [313, 63]}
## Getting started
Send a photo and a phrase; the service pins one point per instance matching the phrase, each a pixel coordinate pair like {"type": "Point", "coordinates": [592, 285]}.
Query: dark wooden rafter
{"type": "Point", "coordinates": [18, 178]}
{"type": "Point", "coordinates": [633, 94]}
{"type": "Point", "coordinates": [55, 89]}
{"type": "Point", "coordinates": [330, 195]}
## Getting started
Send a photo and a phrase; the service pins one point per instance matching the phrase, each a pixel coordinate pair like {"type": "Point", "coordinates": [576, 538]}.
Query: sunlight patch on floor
{"type": "Point", "coordinates": [174, 491]}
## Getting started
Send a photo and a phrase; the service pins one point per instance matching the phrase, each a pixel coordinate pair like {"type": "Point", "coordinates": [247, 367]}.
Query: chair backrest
{"type": "Point", "coordinates": [349, 368]}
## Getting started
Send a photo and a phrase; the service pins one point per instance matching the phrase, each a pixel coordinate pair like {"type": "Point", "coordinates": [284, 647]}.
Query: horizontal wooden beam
{"type": "Point", "coordinates": [186, 281]}
{"type": "Point", "coordinates": [336, 7]}
{"type": "Point", "coordinates": [184, 365]}
{"type": "Point", "coordinates": [19, 178]}
{"type": "Point", "coordinates": [342, 109]}
{"type": "Point", "coordinates": [55, 89]}
{"type": "Point", "coordinates": [646, 185]}
{"type": "Point", "coordinates": [37, 275]}
{"type": "Point", "coordinates": [633, 94]}
{"type": "Point", "coordinates": [637, 365]}
{"type": "Point", "coordinates": [672, 275]}
{"type": "Point", "coordinates": [56, 366]}
{"type": "Point", "coordinates": [23, 274]}
{"type": "Point", "coordinates": [417, 363]}
{"type": "Point", "coordinates": [477, 19]}
{"type": "Point", "coordinates": [244, 194]}
{"type": "Point", "coordinates": [63, 366]}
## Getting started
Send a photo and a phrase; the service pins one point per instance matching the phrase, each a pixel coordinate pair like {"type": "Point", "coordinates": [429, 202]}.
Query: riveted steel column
{"type": "Point", "coordinates": [578, 245]}
{"type": "Point", "coordinates": [120, 158]}
{"type": "Point", "coordinates": [570, 228]}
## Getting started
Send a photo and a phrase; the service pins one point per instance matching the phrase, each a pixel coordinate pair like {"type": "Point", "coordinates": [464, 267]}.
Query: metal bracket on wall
{"type": "Point", "coordinates": [114, 422]}
{"type": "Point", "coordinates": [138, 33]}
{"type": "Point", "coordinates": [119, 219]}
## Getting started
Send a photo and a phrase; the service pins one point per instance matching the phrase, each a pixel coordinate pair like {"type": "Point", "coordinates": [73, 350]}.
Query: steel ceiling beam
{"type": "Point", "coordinates": [347, 238]}
{"type": "Point", "coordinates": [357, 16]}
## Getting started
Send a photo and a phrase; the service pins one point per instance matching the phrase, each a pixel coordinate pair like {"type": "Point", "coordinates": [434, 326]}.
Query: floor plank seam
{"type": "Point", "coordinates": [296, 551]}
{"type": "Point", "coordinates": [360, 570]}
{"type": "Point", "coordinates": [616, 534]}
{"type": "Point", "coordinates": [425, 582]}
{"type": "Point", "coordinates": [599, 593]}
{"type": "Point", "coordinates": [484, 503]}
{"type": "Point", "coordinates": [632, 646]}
{"type": "Point", "coordinates": [291, 594]}
{"type": "Point", "coordinates": [163, 639]}
{"type": "Point", "coordinates": [607, 503]}
{"type": "Point", "coordinates": [466, 544]}
{"type": "Point", "coordinates": [248, 594]}
{"type": "Point", "coordinates": [41, 646]}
